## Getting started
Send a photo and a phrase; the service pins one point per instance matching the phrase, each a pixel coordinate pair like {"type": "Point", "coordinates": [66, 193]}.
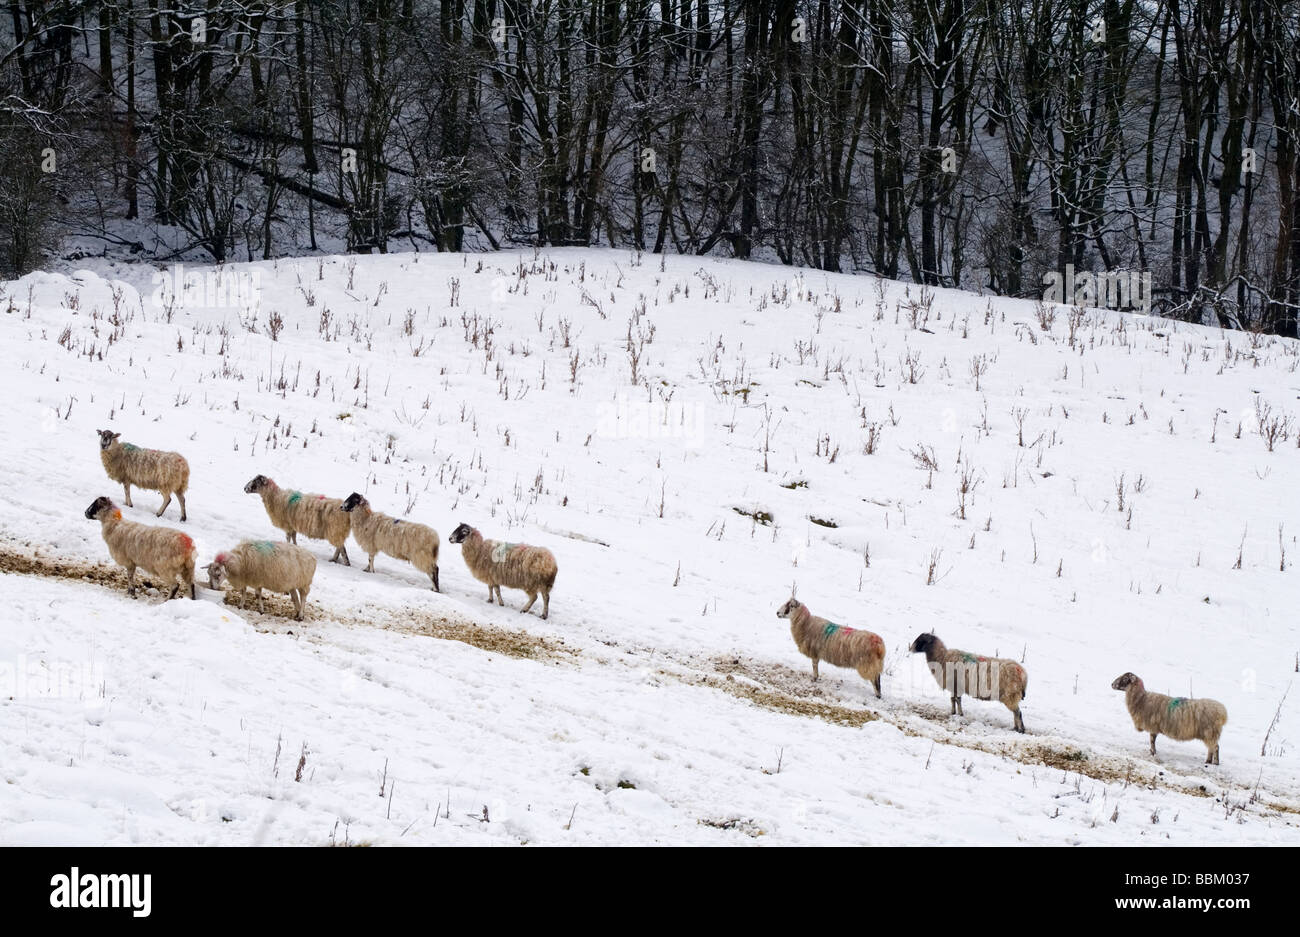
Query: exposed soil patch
{"type": "Point", "coordinates": [279, 609]}
{"type": "Point", "coordinates": [792, 689]}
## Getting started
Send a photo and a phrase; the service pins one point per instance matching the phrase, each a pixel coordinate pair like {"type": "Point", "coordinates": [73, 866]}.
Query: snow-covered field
{"type": "Point", "coordinates": [663, 701]}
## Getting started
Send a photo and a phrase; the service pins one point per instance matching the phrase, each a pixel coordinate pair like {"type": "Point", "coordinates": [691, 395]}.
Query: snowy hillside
{"type": "Point", "coordinates": [690, 438]}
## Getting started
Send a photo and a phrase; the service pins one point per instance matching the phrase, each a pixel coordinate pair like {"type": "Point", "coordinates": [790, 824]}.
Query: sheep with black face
{"type": "Point", "coordinates": [160, 551]}
{"type": "Point", "coordinates": [962, 673]}
{"type": "Point", "coordinates": [517, 565]}
{"type": "Point", "coordinates": [378, 533]}
{"type": "Point", "coordinates": [298, 512]}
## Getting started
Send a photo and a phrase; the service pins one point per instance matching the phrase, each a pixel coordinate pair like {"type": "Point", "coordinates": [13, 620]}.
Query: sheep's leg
{"type": "Point", "coordinates": [130, 581]}
{"type": "Point", "coordinates": [296, 595]}
{"type": "Point", "coordinates": [815, 674]}
{"type": "Point", "coordinates": [532, 597]}
{"type": "Point", "coordinates": [261, 606]}
{"type": "Point", "coordinates": [180, 496]}
{"type": "Point", "coordinates": [490, 596]}
{"type": "Point", "coordinates": [126, 494]}
{"type": "Point", "coordinates": [342, 550]}
{"type": "Point", "coordinates": [1153, 743]}
{"type": "Point", "coordinates": [370, 567]}
{"type": "Point", "coordinates": [167, 499]}
{"type": "Point", "coordinates": [546, 605]}
{"type": "Point", "coordinates": [1020, 723]}
{"type": "Point", "coordinates": [500, 601]}
{"type": "Point", "coordinates": [952, 708]}
{"type": "Point", "coordinates": [434, 574]}
{"type": "Point", "coordinates": [876, 684]}
{"type": "Point", "coordinates": [176, 588]}
{"type": "Point", "coordinates": [291, 536]}
{"type": "Point", "coordinates": [194, 592]}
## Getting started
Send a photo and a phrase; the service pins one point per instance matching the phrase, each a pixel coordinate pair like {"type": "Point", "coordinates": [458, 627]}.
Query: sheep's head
{"type": "Point", "coordinates": [786, 610]}
{"type": "Point", "coordinates": [923, 643]}
{"type": "Point", "coordinates": [98, 507]}
{"type": "Point", "coordinates": [258, 483]}
{"type": "Point", "coordinates": [461, 533]}
{"type": "Point", "coordinates": [106, 437]}
{"type": "Point", "coordinates": [1125, 681]}
{"type": "Point", "coordinates": [217, 572]}
{"type": "Point", "coordinates": [354, 500]}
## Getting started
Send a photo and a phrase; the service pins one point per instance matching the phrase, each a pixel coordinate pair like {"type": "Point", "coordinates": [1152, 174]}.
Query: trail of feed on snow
{"type": "Point", "coordinates": [769, 685]}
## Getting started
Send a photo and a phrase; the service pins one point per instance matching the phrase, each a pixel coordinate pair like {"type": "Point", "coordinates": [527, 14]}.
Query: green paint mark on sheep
{"type": "Point", "coordinates": [130, 447]}
{"type": "Point", "coordinates": [830, 629]}
{"type": "Point", "coordinates": [969, 658]}
{"type": "Point", "coordinates": [1176, 702]}
{"type": "Point", "coordinates": [264, 546]}
{"type": "Point", "coordinates": [295, 497]}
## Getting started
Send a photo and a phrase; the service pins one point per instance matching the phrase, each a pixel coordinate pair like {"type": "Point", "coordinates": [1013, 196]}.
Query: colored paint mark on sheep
{"type": "Point", "coordinates": [117, 514]}
{"type": "Point", "coordinates": [1175, 703]}
{"type": "Point", "coordinates": [130, 448]}
{"type": "Point", "coordinates": [831, 628]}
{"type": "Point", "coordinates": [502, 550]}
{"type": "Point", "coordinates": [264, 546]}
{"type": "Point", "coordinates": [186, 543]}
{"type": "Point", "coordinates": [295, 497]}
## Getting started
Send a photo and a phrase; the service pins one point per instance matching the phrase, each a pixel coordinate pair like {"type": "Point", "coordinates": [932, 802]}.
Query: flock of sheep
{"type": "Point", "coordinates": [287, 568]}
{"type": "Point", "coordinates": [995, 678]}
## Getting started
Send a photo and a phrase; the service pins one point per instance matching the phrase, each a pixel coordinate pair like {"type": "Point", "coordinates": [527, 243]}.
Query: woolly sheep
{"type": "Point", "coordinates": [403, 540]}
{"type": "Point", "coordinates": [961, 673]}
{"type": "Point", "coordinates": [1177, 717]}
{"type": "Point", "coordinates": [516, 565]}
{"type": "Point", "coordinates": [151, 469]}
{"type": "Point", "coordinates": [160, 551]}
{"type": "Point", "coordinates": [296, 512]}
{"type": "Point", "coordinates": [264, 564]}
{"type": "Point", "coordinates": [841, 646]}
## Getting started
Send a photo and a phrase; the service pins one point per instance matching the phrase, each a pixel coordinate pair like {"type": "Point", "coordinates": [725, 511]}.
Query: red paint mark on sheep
{"type": "Point", "coordinates": [185, 541]}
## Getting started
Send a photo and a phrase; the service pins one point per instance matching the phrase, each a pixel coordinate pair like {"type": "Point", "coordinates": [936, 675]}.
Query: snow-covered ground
{"type": "Point", "coordinates": [663, 701]}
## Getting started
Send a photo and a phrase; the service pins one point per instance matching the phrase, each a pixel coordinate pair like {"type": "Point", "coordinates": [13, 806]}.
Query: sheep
{"type": "Point", "coordinates": [516, 565]}
{"type": "Point", "coordinates": [864, 651]}
{"type": "Point", "coordinates": [1180, 718]}
{"type": "Point", "coordinates": [263, 564]}
{"type": "Point", "coordinates": [402, 540]}
{"type": "Point", "coordinates": [160, 551]}
{"type": "Point", "coordinates": [297, 512]}
{"type": "Point", "coordinates": [152, 469]}
{"type": "Point", "coordinates": [981, 677]}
